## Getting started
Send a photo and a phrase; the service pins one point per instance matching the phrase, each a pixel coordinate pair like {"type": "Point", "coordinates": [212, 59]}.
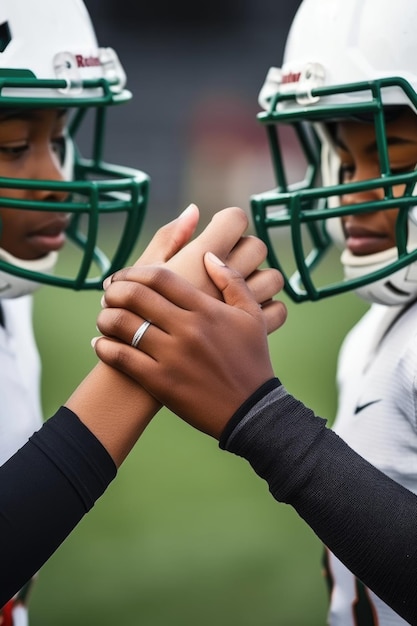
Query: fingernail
{"type": "Point", "coordinates": [106, 282]}
{"type": "Point", "coordinates": [189, 208]}
{"type": "Point", "coordinates": [94, 341]}
{"type": "Point", "coordinates": [215, 259]}
{"type": "Point", "coordinates": [103, 302]}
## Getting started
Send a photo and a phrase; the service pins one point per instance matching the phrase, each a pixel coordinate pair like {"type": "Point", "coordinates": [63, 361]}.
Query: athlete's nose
{"type": "Point", "coordinates": [362, 174]}
{"type": "Point", "coordinates": [48, 167]}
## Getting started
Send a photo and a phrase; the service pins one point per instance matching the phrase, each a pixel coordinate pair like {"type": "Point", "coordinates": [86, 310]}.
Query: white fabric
{"type": "Point", "coordinates": [20, 616]}
{"type": "Point", "coordinates": [379, 368]}
{"type": "Point", "coordinates": [20, 405]}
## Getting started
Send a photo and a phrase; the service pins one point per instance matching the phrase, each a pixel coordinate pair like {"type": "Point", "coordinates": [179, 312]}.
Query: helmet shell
{"type": "Point", "coordinates": [53, 41]}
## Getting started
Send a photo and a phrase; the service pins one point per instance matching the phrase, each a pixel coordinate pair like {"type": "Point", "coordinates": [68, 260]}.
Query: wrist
{"type": "Point", "coordinates": [244, 408]}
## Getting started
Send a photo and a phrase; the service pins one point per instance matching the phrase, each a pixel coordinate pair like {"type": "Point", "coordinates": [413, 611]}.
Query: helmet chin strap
{"type": "Point", "coordinates": [12, 286]}
{"type": "Point", "coordinates": [398, 288]}
{"type": "Point", "coordinates": [373, 261]}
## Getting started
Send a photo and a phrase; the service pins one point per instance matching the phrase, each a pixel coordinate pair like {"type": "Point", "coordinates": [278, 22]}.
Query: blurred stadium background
{"type": "Point", "coordinates": [187, 534]}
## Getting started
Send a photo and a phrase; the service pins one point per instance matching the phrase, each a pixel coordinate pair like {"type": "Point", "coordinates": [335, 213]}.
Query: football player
{"type": "Point", "coordinates": [55, 82]}
{"type": "Point", "coordinates": [56, 87]}
{"type": "Point", "coordinates": [347, 91]}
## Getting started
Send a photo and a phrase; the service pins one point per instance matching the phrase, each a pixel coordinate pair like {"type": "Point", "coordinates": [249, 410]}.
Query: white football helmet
{"type": "Point", "coordinates": [343, 59]}
{"type": "Point", "coordinates": [49, 57]}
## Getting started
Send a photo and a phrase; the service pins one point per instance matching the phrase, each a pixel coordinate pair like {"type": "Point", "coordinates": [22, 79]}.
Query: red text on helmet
{"type": "Point", "coordinates": [83, 61]}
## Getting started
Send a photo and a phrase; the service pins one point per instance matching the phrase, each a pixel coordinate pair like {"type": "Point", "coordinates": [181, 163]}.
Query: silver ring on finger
{"type": "Point", "coordinates": [139, 333]}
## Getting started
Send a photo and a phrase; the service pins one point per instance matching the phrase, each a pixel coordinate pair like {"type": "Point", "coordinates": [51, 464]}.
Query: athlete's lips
{"type": "Point", "coordinates": [362, 241]}
{"type": "Point", "coordinates": [49, 237]}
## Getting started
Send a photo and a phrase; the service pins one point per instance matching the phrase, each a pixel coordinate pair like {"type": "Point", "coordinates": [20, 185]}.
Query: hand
{"type": "Point", "coordinates": [112, 405]}
{"type": "Point", "coordinates": [201, 357]}
{"type": "Point", "coordinates": [170, 238]}
{"type": "Point", "coordinates": [224, 237]}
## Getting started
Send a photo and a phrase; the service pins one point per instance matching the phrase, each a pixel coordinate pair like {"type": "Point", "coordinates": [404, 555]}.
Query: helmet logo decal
{"type": "Point", "coordinates": [5, 36]}
{"type": "Point", "coordinates": [70, 67]}
{"type": "Point", "coordinates": [308, 77]}
{"type": "Point", "coordinates": [291, 77]}
{"type": "Point", "coordinates": [90, 61]}
{"type": "Point", "coordinates": [300, 80]}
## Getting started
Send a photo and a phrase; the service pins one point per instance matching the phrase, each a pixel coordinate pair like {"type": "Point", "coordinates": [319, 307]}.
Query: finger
{"type": "Point", "coordinates": [220, 236]}
{"type": "Point", "coordinates": [248, 254]}
{"type": "Point", "coordinates": [231, 224]}
{"type": "Point", "coordinates": [169, 239]}
{"type": "Point", "coordinates": [122, 357]}
{"type": "Point", "coordinates": [265, 284]}
{"type": "Point", "coordinates": [166, 242]}
{"type": "Point", "coordinates": [275, 315]}
{"type": "Point", "coordinates": [120, 324]}
{"type": "Point", "coordinates": [231, 284]}
{"type": "Point", "coordinates": [154, 293]}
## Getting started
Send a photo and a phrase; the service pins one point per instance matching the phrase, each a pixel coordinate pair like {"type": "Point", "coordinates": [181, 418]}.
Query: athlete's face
{"type": "Point", "coordinates": [32, 147]}
{"type": "Point", "coordinates": [356, 144]}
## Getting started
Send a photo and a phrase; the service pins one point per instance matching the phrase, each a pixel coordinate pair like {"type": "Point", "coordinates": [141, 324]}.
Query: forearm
{"type": "Point", "coordinates": [364, 517]}
{"type": "Point", "coordinates": [114, 408]}
{"type": "Point", "coordinates": [45, 490]}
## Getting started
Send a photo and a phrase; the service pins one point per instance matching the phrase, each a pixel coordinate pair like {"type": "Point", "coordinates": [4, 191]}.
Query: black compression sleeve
{"type": "Point", "coordinates": [45, 490]}
{"type": "Point", "coordinates": [366, 519]}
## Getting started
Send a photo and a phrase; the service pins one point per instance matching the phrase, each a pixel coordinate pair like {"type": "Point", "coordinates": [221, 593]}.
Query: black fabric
{"type": "Point", "coordinates": [245, 408]}
{"type": "Point", "coordinates": [366, 519]}
{"type": "Point", "coordinates": [45, 490]}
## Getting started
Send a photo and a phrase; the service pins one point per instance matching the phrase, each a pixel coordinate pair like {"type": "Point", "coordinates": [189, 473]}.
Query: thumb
{"type": "Point", "coordinates": [171, 238]}
{"type": "Point", "coordinates": [230, 283]}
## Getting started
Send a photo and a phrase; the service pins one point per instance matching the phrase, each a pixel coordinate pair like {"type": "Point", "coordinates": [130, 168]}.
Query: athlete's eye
{"type": "Point", "coordinates": [59, 148]}
{"type": "Point", "coordinates": [346, 172]}
{"type": "Point", "coordinates": [10, 152]}
{"type": "Point", "coordinates": [403, 170]}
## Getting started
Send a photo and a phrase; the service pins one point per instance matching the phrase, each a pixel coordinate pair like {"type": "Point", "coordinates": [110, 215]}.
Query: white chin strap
{"type": "Point", "coordinates": [396, 289]}
{"type": "Point", "coordinates": [12, 286]}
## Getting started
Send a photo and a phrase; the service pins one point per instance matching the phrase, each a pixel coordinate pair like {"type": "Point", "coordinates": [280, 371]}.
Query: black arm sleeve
{"type": "Point", "coordinates": [45, 490]}
{"type": "Point", "coordinates": [366, 519]}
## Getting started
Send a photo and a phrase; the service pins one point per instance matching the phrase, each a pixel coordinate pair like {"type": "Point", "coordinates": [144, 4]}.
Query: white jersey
{"type": "Point", "coordinates": [377, 417]}
{"type": "Point", "coordinates": [20, 405]}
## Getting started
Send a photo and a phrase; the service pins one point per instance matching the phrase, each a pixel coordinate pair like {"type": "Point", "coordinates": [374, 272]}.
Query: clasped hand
{"type": "Point", "coordinates": [206, 350]}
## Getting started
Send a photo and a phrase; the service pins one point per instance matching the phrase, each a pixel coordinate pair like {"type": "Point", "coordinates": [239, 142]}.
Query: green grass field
{"type": "Point", "coordinates": [187, 534]}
